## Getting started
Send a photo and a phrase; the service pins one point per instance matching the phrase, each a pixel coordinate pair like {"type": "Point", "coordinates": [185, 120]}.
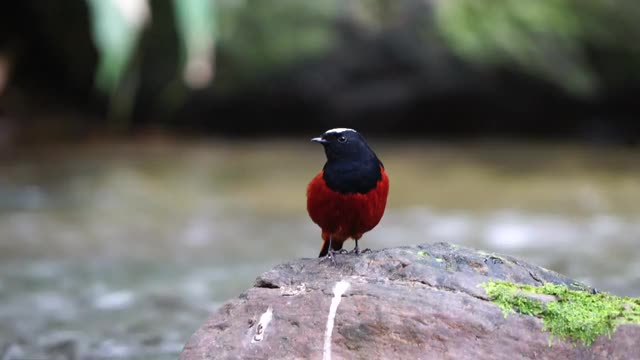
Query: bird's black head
{"type": "Point", "coordinates": [351, 167]}
{"type": "Point", "coordinates": [345, 144]}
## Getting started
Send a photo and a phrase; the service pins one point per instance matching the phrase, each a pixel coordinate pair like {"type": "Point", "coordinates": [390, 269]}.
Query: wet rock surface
{"type": "Point", "coordinates": [418, 302]}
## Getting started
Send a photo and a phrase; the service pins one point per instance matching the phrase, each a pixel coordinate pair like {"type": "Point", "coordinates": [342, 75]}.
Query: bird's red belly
{"type": "Point", "coordinates": [346, 216]}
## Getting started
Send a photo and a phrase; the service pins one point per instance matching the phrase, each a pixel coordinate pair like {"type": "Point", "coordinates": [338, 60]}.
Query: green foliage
{"type": "Point", "coordinates": [237, 43]}
{"type": "Point", "coordinates": [257, 37]}
{"type": "Point", "coordinates": [196, 20]}
{"type": "Point", "coordinates": [254, 37]}
{"type": "Point", "coordinates": [116, 37]}
{"type": "Point", "coordinates": [574, 315]}
{"type": "Point", "coordinates": [548, 38]}
{"type": "Point", "coordinates": [117, 27]}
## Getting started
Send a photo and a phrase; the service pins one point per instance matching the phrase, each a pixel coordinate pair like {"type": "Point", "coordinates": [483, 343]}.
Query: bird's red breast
{"type": "Point", "coordinates": [346, 215]}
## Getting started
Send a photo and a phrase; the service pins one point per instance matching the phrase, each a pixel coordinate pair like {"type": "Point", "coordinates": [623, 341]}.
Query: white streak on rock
{"type": "Point", "coordinates": [261, 327]}
{"type": "Point", "coordinates": [338, 290]}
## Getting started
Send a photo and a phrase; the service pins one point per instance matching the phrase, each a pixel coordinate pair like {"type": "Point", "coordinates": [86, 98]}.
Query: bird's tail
{"type": "Point", "coordinates": [325, 248]}
{"type": "Point", "coordinates": [329, 242]}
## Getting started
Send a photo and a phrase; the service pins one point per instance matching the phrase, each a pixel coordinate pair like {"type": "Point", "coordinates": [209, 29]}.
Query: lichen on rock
{"type": "Point", "coordinates": [576, 315]}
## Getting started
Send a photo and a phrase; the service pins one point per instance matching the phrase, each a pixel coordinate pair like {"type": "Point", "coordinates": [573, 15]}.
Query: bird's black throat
{"type": "Point", "coordinates": [353, 176]}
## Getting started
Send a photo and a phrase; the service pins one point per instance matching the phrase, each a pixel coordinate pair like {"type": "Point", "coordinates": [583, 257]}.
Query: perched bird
{"type": "Point", "coordinates": [347, 198]}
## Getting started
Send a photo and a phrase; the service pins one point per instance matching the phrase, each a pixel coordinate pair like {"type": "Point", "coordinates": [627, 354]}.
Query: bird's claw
{"type": "Point", "coordinates": [330, 256]}
{"type": "Point", "coordinates": [356, 250]}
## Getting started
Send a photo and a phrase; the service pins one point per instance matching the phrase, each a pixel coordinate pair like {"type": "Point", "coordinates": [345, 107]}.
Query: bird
{"type": "Point", "coordinates": [348, 196]}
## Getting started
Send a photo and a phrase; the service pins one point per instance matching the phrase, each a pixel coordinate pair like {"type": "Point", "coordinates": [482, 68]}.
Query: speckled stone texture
{"type": "Point", "coordinates": [418, 302]}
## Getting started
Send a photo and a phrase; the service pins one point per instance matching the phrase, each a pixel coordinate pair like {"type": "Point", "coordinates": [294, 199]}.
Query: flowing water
{"type": "Point", "coordinates": [121, 251]}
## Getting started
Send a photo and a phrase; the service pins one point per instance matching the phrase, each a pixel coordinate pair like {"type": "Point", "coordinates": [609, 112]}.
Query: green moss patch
{"type": "Point", "coordinates": [578, 316]}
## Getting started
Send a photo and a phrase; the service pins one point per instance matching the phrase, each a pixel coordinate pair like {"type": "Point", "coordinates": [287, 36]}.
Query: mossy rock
{"type": "Point", "coordinates": [576, 315]}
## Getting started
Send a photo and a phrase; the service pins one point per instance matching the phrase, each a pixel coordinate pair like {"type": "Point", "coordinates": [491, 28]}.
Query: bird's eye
{"type": "Point", "coordinates": [342, 139]}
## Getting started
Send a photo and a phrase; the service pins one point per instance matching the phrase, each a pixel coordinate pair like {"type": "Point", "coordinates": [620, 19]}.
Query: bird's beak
{"type": "Point", "coordinates": [320, 140]}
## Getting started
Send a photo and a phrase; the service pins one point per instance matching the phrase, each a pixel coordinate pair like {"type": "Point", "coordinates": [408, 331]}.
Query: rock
{"type": "Point", "coordinates": [418, 302]}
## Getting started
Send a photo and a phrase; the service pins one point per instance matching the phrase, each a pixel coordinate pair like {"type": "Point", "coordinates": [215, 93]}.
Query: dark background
{"type": "Point", "coordinates": [398, 71]}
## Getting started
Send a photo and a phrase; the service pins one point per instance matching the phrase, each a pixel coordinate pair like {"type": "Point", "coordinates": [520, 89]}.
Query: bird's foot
{"type": "Point", "coordinates": [342, 251]}
{"type": "Point", "coordinates": [356, 250]}
{"type": "Point", "coordinates": [330, 257]}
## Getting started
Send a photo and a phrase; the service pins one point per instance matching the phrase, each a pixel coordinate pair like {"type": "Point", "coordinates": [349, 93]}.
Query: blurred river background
{"type": "Point", "coordinates": [154, 156]}
{"type": "Point", "coordinates": [124, 249]}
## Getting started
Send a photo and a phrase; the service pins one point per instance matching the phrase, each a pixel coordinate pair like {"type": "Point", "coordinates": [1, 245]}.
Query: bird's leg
{"type": "Point", "coordinates": [331, 256]}
{"type": "Point", "coordinates": [330, 253]}
{"type": "Point", "coordinates": [356, 250]}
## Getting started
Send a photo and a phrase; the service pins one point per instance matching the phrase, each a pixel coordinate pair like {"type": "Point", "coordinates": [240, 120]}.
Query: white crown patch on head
{"type": "Point", "coordinates": [338, 130]}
